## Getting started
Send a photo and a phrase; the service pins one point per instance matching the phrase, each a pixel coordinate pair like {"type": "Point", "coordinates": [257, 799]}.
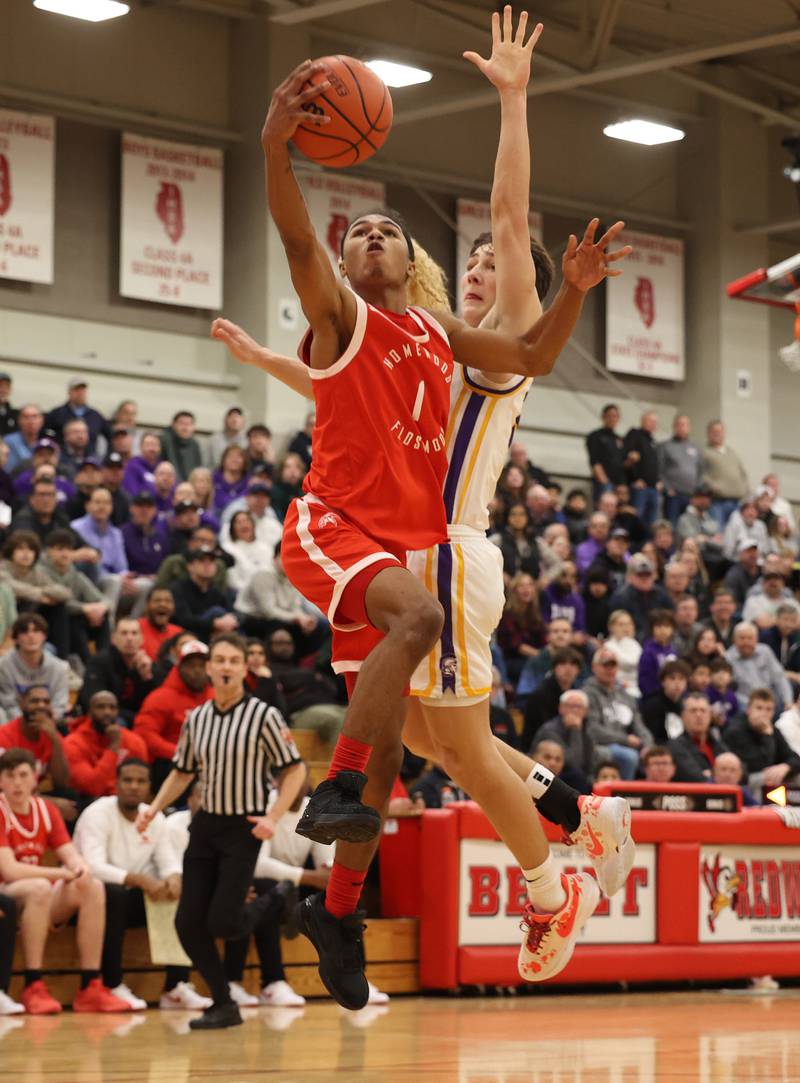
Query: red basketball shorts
{"type": "Point", "coordinates": [332, 562]}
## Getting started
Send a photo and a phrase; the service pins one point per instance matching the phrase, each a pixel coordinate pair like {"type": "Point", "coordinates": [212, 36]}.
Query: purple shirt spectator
{"type": "Point", "coordinates": [145, 551]}
{"type": "Point", "coordinates": [728, 704]}
{"type": "Point", "coordinates": [109, 544]}
{"type": "Point", "coordinates": [570, 606]}
{"type": "Point", "coordinates": [225, 492]}
{"type": "Point", "coordinates": [586, 554]}
{"type": "Point", "coordinates": [138, 477]}
{"type": "Point", "coordinates": [23, 483]}
{"type": "Point", "coordinates": [653, 657]}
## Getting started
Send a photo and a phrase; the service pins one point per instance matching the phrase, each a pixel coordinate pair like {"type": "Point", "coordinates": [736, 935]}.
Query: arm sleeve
{"type": "Point", "coordinates": [149, 725]}
{"type": "Point", "coordinates": [275, 732]}
{"type": "Point", "coordinates": [592, 449]}
{"type": "Point", "coordinates": [91, 842]}
{"type": "Point", "coordinates": [87, 778]}
{"type": "Point", "coordinates": [167, 861]}
{"type": "Point", "coordinates": [270, 868]}
{"type": "Point", "coordinates": [59, 692]}
{"type": "Point", "coordinates": [184, 758]}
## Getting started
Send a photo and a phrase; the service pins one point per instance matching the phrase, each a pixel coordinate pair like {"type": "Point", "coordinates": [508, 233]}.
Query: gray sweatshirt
{"type": "Point", "coordinates": [82, 589]}
{"type": "Point", "coordinates": [680, 464]}
{"type": "Point", "coordinates": [15, 677]}
{"type": "Point", "coordinates": [613, 716]}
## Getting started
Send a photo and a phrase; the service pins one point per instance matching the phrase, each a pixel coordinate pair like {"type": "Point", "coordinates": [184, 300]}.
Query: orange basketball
{"type": "Point", "coordinates": [360, 107]}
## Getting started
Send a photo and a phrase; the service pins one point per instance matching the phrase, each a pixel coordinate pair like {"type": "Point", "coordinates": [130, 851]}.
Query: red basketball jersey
{"type": "Point", "coordinates": [32, 835]}
{"type": "Point", "coordinates": [379, 443]}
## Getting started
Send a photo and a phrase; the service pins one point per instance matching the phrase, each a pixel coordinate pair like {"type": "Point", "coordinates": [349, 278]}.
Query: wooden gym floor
{"type": "Point", "coordinates": [635, 1038]}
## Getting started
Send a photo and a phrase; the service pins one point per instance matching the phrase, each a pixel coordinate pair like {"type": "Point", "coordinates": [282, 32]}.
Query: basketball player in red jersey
{"type": "Point", "coordinates": [381, 375]}
{"type": "Point", "coordinates": [47, 895]}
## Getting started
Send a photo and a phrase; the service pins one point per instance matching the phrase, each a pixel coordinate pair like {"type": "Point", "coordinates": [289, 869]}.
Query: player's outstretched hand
{"type": "Point", "coordinates": [587, 263]}
{"type": "Point", "coordinates": [286, 109]}
{"type": "Point", "coordinates": [239, 343]}
{"type": "Point", "coordinates": [509, 66]}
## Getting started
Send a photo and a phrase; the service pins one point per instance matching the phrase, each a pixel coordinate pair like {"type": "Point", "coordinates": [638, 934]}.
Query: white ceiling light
{"type": "Point", "coordinates": [646, 132]}
{"type": "Point", "coordinates": [93, 11]}
{"type": "Point", "coordinates": [398, 74]}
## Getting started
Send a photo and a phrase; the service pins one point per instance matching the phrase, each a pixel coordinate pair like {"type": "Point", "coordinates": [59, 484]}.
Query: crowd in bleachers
{"type": "Point", "coordinates": [651, 627]}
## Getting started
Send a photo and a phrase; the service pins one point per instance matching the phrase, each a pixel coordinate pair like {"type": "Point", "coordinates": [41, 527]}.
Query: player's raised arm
{"type": "Point", "coordinates": [535, 352]}
{"type": "Point", "coordinates": [517, 305]}
{"type": "Point", "coordinates": [327, 304]}
{"type": "Point", "coordinates": [289, 370]}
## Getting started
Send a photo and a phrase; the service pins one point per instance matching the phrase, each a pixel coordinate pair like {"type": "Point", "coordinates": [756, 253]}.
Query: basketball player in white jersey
{"type": "Point", "coordinates": [448, 720]}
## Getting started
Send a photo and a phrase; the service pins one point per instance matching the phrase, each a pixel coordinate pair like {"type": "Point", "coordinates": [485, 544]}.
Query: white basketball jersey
{"type": "Point", "coordinates": [483, 418]}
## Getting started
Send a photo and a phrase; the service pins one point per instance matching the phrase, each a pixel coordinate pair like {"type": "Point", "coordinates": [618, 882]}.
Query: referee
{"type": "Point", "coordinates": [233, 742]}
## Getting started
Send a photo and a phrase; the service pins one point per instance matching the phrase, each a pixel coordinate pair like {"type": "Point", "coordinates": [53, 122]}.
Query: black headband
{"type": "Point", "coordinates": [386, 218]}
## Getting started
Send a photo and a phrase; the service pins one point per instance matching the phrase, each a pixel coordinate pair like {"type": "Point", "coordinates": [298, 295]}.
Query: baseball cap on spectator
{"type": "Point", "coordinates": [640, 563]}
{"type": "Point", "coordinates": [5, 376]}
{"type": "Point", "coordinates": [746, 543]}
{"type": "Point", "coordinates": [144, 497]}
{"type": "Point", "coordinates": [46, 444]}
{"type": "Point", "coordinates": [188, 650]}
{"type": "Point", "coordinates": [619, 532]}
{"type": "Point", "coordinates": [113, 459]}
{"type": "Point", "coordinates": [88, 462]}
{"type": "Point", "coordinates": [259, 485]}
{"type": "Point", "coordinates": [200, 554]}
{"type": "Point", "coordinates": [702, 490]}
{"type": "Point", "coordinates": [77, 381]}
{"type": "Point", "coordinates": [184, 505]}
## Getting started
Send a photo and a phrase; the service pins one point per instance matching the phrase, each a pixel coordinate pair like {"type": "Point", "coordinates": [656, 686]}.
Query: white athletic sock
{"type": "Point", "coordinates": [544, 887]}
{"type": "Point", "coordinates": [538, 781]}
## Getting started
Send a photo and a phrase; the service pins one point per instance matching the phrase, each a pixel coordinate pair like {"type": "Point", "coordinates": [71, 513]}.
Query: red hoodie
{"type": "Point", "coordinates": [163, 713]}
{"type": "Point", "coordinates": [92, 761]}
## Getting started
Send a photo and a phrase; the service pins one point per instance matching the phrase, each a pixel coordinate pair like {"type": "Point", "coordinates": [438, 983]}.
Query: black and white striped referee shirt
{"type": "Point", "coordinates": [234, 753]}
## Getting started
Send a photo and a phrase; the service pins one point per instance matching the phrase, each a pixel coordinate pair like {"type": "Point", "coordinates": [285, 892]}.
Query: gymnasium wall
{"type": "Point", "coordinates": [209, 73]}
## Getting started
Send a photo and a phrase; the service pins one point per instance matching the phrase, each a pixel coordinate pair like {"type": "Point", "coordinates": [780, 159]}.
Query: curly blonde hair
{"type": "Point", "coordinates": [428, 285]}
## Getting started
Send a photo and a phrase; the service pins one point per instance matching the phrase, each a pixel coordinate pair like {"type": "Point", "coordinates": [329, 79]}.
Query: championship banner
{"type": "Point", "coordinates": [171, 222]}
{"type": "Point", "coordinates": [749, 893]}
{"type": "Point", "coordinates": [334, 201]}
{"type": "Point", "coordinates": [474, 217]}
{"type": "Point", "coordinates": [493, 896]}
{"type": "Point", "coordinates": [27, 187]}
{"type": "Point", "coordinates": [644, 309]}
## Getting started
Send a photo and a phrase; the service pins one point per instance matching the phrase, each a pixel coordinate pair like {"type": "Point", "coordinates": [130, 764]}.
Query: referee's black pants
{"type": "Point", "coordinates": [218, 868]}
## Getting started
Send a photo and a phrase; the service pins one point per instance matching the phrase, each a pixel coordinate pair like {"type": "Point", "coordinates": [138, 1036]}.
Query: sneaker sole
{"type": "Point", "coordinates": [306, 928]}
{"type": "Point", "coordinates": [618, 865]}
{"type": "Point", "coordinates": [214, 1026]}
{"type": "Point", "coordinates": [329, 828]}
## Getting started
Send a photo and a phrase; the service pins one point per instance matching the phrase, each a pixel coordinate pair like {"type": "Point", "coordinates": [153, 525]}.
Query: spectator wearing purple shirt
{"type": "Point", "coordinates": [23, 484]}
{"type": "Point", "coordinates": [230, 480]}
{"type": "Point", "coordinates": [560, 599]}
{"type": "Point", "coordinates": [656, 651]}
{"type": "Point", "coordinates": [97, 530]}
{"type": "Point", "coordinates": [146, 541]}
{"type": "Point", "coordinates": [45, 453]}
{"type": "Point", "coordinates": [140, 470]}
{"type": "Point", "coordinates": [588, 551]}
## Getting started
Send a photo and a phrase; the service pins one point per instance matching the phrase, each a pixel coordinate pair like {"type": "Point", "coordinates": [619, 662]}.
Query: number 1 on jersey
{"type": "Point", "coordinates": [418, 402]}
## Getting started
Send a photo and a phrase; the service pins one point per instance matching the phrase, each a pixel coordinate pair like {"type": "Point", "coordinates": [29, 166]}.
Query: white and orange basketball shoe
{"type": "Point", "coordinates": [550, 939]}
{"type": "Point", "coordinates": [605, 836]}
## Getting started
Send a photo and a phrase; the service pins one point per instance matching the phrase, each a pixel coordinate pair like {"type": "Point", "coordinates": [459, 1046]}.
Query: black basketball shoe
{"type": "Point", "coordinates": [217, 1017]}
{"type": "Point", "coordinates": [340, 946]}
{"type": "Point", "coordinates": [335, 811]}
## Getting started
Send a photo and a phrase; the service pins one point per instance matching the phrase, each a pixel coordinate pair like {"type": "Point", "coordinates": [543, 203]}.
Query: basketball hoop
{"type": "Point", "coordinates": [790, 355]}
{"type": "Point", "coordinates": [778, 286]}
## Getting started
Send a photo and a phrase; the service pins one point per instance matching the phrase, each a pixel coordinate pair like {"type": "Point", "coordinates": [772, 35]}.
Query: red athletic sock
{"type": "Point", "coordinates": [343, 890]}
{"type": "Point", "coordinates": [349, 755]}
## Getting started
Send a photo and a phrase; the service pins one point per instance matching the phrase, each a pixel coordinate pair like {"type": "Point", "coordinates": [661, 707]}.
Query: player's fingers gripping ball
{"type": "Point", "coordinates": [359, 108]}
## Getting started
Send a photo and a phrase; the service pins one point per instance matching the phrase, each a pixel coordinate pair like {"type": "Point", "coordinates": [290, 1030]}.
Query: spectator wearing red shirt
{"type": "Point", "coordinates": [163, 713]}
{"type": "Point", "coordinates": [49, 895]}
{"type": "Point", "coordinates": [97, 745]}
{"type": "Point", "coordinates": [35, 730]}
{"type": "Point", "coordinates": [156, 623]}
